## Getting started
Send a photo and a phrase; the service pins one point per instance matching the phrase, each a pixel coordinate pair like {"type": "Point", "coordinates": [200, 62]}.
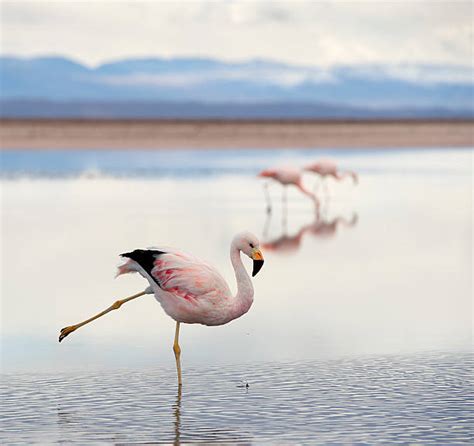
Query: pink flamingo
{"type": "Point", "coordinates": [189, 290]}
{"type": "Point", "coordinates": [286, 176]}
{"type": "Point", "coordinates": [328, 168]}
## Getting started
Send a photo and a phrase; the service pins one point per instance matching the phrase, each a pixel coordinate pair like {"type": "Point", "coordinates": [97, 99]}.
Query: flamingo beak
{"type": "Point", "coordinates": [257, 261]}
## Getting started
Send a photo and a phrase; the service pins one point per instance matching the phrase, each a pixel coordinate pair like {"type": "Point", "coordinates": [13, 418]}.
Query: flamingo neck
{"type": "Point", "coordinates": [303, 189]}
{"type": "Point", "coordinates": [244, 297]}
{"type": "Point", "coordinates": [347, 173]}
{"type": "Point", "coordinates": [355, 178]}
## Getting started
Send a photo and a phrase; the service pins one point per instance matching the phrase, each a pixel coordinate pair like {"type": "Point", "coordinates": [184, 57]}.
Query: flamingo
{"type": "Point", "coordinates": [189, 290]}
{"type": "Point", "coordinates": [286, 176]}
{"type": "Point", "coordinates": [326, 168]}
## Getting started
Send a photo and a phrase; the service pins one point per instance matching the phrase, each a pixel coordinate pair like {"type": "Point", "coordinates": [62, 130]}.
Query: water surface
{"type": "Point", "coordinates": [395, 399]}
{"type": "Point", "coordinates": [360, 329]}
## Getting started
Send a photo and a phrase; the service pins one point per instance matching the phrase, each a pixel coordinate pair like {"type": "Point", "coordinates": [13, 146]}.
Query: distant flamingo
{"type": "Point", "coordinates": [189, 290]}
{"type": "Point", "coordinates": [287, 176]}
{"type": "Point", "coordinates": [328, 168]}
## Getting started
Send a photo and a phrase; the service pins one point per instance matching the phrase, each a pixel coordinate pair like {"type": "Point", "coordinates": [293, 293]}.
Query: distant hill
{"type": "Point", "coordinates": [193, 87]}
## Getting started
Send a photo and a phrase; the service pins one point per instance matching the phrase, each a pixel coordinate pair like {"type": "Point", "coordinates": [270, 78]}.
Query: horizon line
{"type": "Point", "coordinates": [225, 61]}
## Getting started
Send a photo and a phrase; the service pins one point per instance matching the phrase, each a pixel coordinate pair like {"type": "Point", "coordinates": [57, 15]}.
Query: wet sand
{"type": "Point", "coordinates": [159, 134]}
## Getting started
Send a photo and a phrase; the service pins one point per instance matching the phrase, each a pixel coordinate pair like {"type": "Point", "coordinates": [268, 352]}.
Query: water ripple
{"type": "Point", "coordinates": [398, 399]}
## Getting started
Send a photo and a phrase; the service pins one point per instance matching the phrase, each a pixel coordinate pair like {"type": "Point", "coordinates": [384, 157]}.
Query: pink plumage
{"type": "Point", "coordinates": [326, 168]}
{"type": "Point", "coordinates": [189, 290]}
{"type": "Point", "coordinates": [288, 176]}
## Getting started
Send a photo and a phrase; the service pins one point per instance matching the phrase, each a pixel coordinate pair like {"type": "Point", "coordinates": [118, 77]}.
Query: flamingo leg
{"type": "Point", "coordinates": [267, 198]}
{"type": "Point", "coordinates": [284, 196]}
{"type": "Point", "coordinates": [177, 354]}
{"type": "Point", "coordinates": [326, 187]}
{"type": "Point", "coordinates": [284, 208]}
{"type": "Point", "coordinates": [115, 306]}
{"type": "Point", "coordinates": [266, 226]}
{"type": "Point", "coordinates": [317, 183]}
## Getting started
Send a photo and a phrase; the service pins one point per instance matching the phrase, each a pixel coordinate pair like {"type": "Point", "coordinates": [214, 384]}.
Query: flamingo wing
{"type": "Point", "coordinates": [178, 273]}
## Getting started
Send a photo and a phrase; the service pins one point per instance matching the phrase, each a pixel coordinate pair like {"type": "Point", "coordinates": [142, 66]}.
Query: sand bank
{"type": "Point", "coordinates": [160, 134]}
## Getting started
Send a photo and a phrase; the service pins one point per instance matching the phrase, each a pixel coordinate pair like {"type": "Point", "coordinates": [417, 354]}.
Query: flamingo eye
{"type": "Point", "coordinates": [251, 245]}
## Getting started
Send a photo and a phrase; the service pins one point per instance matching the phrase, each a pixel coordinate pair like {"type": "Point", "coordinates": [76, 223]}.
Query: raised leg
{"type": "Point", "coordinates": [115, 306]}
{"type": "Point", "coordinates": [177, 354]}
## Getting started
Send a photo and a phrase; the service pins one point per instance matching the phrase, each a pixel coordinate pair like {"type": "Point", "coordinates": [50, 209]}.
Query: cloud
{"type": "Point", "coordinates": [258, 13]}
{"type": "Point", "coordinates": [313, 33]}
{"type": "Point", "coordinates": [285, 77]}
{"type": "Point", "coordinates": [289, 76]}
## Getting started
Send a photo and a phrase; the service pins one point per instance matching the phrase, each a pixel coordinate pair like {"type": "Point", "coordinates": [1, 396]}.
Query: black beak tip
{"type": "Point", "coordinates": [257, 266]}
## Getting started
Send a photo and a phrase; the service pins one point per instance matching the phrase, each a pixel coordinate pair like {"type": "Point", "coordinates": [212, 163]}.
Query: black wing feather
{"type": "Point", "coordinates": [145, 258]}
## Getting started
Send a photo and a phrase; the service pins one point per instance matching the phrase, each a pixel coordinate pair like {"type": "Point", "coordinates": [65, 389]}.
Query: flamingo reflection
{"type": "Point", "coordinates": [325, 228]}
{"type": "Point", "coordinates": [321, 227]}
{"type": "Point", "coordinates": [177, 418]}
{"type": "Point", "coordinates": [285, 243]}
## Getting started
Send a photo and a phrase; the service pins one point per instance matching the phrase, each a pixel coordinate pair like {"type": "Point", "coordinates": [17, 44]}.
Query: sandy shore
{"type": "Point", "coordinates": [159, 134]}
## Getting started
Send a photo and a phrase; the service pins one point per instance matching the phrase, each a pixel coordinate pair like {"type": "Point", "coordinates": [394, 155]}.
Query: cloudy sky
{"type": "Point", "coordinates": [321, 33]}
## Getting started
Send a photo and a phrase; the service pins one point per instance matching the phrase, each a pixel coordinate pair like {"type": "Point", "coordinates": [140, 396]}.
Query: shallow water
{"type": "Point", "coordinates": [335, 348]}
{"type": "Point", "coordinates": [392, 399]}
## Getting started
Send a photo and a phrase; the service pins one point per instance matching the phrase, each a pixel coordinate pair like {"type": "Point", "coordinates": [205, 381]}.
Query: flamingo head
{"type": "Point", "coordinates": [355, 178]}
{"type": "Point", "coordinates": [250, 246]}
{"type": "Point", "coordinates": [268, 173]}
{"type": "Point", "coordinates": [315, 168]}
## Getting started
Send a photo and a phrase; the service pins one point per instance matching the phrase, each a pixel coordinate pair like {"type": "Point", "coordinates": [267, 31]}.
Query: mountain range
{"type": "Point", "coordinates": [197, 87]}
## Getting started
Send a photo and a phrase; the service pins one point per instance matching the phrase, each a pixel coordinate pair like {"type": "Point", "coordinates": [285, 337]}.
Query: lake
{"type": "Point", "coordinates": [361, 328]}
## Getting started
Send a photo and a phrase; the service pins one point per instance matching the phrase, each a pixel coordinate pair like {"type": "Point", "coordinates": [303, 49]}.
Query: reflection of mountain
{"type": "Point", "coordinates": [187, 87]}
